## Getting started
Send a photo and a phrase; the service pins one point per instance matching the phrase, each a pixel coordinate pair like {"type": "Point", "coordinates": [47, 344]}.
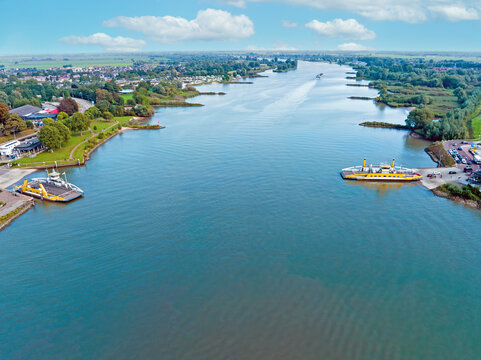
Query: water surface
{"type": "Point", "coordinates": [230, 235]}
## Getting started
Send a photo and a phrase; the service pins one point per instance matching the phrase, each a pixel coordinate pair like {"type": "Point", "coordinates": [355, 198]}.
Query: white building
{"type": "Point", "coordinates": [7, 148]}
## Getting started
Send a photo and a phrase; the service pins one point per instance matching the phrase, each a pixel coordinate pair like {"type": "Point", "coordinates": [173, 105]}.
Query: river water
{"type": "Point", "coordinates": [231, 235]}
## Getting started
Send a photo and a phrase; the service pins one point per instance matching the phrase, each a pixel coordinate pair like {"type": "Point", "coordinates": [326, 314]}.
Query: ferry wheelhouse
{"type": "Point", "coordinates": [381, 172]}
{"type": "Point", "coordinates": [52, 188]}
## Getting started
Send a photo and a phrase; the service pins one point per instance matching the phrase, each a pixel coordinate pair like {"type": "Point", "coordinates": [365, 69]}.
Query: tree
{"type": "Point", "coordinates": [50, 137]}
{"type": "Point", "coordinates": [3, 97]}
{"type": "Point", "coordinates": [93, 112]}
{"type": "Point", "coordinates": [102, 94]}
{"type": "Point", "coordinates": [14, 124]}
{"type": "Point", "coordinates": [420, 117]}
{"type": "Point", "coordinates": [107, 115]}
{"type": "Point", "coordinates": [78, 122]}
{"type": "Point", "coordinates": [63, 131]}
{"type": "Point", "coordinates": [143, 111]}
{"type": "Point", "coordinates": [3, 113]}
{"type": "Point", "coordinates": [62, 115]}
{"type": "Point", "coordinates": [68, 106]}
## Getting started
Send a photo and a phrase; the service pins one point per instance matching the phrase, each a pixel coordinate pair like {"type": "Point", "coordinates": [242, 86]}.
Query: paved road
{"type": "Point", "coordinates": [83, 104]}
{"type": "Point", "coordinates": [12, 176]}
{"type": "Point", "coordinates": [442, 176]}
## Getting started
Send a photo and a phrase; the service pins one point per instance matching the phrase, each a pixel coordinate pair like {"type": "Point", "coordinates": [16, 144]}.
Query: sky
{"type": "Point", "coordinates": [52, 26]}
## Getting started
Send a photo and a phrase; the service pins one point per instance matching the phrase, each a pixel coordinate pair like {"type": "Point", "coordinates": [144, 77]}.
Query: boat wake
{"type": "Point", "coordinates": [290, 101]}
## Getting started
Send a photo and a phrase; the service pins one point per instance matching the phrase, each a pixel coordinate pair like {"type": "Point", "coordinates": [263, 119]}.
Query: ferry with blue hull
{"type": "Point", "coordinates": [380, 173]}
{"type": "Point", "coordinates": [52, 188]}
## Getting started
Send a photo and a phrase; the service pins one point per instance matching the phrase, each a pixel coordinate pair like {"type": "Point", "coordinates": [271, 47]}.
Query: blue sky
{"type": "Point", "coordinates": [51, 26]}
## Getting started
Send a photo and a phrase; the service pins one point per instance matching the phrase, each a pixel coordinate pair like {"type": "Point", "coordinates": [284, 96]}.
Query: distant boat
{"type": "Point", "coordinates": [318, 76]}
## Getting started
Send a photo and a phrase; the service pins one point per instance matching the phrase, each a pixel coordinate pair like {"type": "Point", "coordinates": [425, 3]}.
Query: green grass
{"type": "Point", "coordinates": [48, 62]}
{"type": "Point", "coordinates": [101, 125]}
{"type": "Point", "coordinates": [476, 126]}
{"type": "Point", "coordinates": [126, 97]}
{"type": "Point", "coordinates": [442, 100]}
{"type": "Point", "coordinates": [123, 120]}
{"type": "Point", "coordinates": [61, 154]}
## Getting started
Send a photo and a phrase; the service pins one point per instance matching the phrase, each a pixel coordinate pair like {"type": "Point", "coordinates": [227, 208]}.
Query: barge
{"type": "Point", "coordinates": [52, 188]}
{"type": "Point", "coordinates": [381, 172]}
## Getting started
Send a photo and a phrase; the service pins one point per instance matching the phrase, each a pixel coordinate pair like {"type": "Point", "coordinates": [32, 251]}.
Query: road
{"type": "Point", "coordinates": [82, 104]}
{"type": "Point", "coordinates": [442, 178]}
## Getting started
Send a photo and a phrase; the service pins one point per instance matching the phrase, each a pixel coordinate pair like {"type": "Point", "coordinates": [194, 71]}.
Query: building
{"type": "Point", "coordinates": [34, 113]}
{"type": "Point", "coordinates": [29, 146]}
{"type": "Point", "coordinates": [8, 148]}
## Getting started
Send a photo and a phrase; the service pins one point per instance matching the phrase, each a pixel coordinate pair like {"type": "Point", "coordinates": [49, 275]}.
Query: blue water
{"type": "Point", "coordinates": [230, 235]}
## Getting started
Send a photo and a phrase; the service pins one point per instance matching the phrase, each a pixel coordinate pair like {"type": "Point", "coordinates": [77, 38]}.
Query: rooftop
{"type": "Point", "coordinates": [25, 110]}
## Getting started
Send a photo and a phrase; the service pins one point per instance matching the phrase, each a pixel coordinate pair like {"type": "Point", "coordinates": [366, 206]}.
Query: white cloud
{"type": "Point", "coordinates": [236, 3]}
{"type": "Point", "coordinates": [411, 11]}
{"type": "Point", "coordinates": [278, 46]}
{"type": "Point", "coordinates": [455, 12]}
{"type": "Point", "coordinates": [107, 42]}
{"type": "Point", "coordinates": [288, 24]}
{"type": "Point", "coordinates": [338, 28]}
{"type": "Point", "coordinates": [210, 24]}
{"type": "Point", "coordinates": [353, 47]}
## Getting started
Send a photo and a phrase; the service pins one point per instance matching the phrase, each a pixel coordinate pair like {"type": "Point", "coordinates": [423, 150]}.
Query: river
{"type": "Point", "coordinates": [230, 235]}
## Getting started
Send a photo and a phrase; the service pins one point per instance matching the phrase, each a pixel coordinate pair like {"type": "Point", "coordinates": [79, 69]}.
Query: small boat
{"type": "Point", "coordinates": [381, 172]}
{"type": "Point", "coordinates": [318, 76]}
{"type": "Point", "coordinates": [52, 188]}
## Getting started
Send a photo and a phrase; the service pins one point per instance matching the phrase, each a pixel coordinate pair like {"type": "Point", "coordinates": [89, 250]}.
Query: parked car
{"type": "Point", "coordinates": [470, 162]}
{"type": "Point", "coordinates": [453, 172]}
{"type": "Point", "coordinates": [463, 161]}
{"type": "Point", "coordinates": [468, 168]}
{"type": "Point", "coordinates": [460, 148]}
{"type": "Point", "coordinates": [430, 175]}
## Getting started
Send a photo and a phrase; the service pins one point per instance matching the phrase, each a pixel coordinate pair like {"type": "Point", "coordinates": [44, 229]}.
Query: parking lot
{"type": "Point", "coordinates": [460, 149]}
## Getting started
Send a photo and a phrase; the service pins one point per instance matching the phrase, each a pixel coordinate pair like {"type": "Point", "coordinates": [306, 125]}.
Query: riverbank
{"type": "Point", "coordinates": [12, 206]}
{"type": "Point", "coordinates": [384, 125]}
{"type": "Point", "coordinates": [466, 195]}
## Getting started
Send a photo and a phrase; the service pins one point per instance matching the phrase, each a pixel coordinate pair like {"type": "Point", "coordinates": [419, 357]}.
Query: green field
{"type": "Point", "coordinates": [101, 125]}
{"type": "Point", "coordinates": [476, 126]}
{"type": "Point", "coordinates": [127, 97]}
{"type": "Point", "coordinates": [48, 62]}
{"type": "Point", "coordinates": [442, 100]}
{"type": "Point", "coordinates": [61, 154]}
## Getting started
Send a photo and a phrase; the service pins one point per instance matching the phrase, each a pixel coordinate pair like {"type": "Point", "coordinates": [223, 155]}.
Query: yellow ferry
{"type": "Point", "coordinates": [52, 188]}
{"type": "Point", "coordinates": [380, 173]}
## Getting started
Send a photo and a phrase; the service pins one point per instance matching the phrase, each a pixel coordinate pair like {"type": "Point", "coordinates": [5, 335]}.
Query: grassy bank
{"type": "Point", "coordinates": [440, 100]}
{"type": "Point", "coordinates": [5, 220]}
{"type": "Point", "coordinates": [380, 124]}
{"type": "Point", "coordinates": [60, 155]}
{"type": "Point", "coordinates": [468, 195]}
{"type": "Point", "coordinates": [101, 129]}
{"type": "Point", "coordinates": [438, 153]}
